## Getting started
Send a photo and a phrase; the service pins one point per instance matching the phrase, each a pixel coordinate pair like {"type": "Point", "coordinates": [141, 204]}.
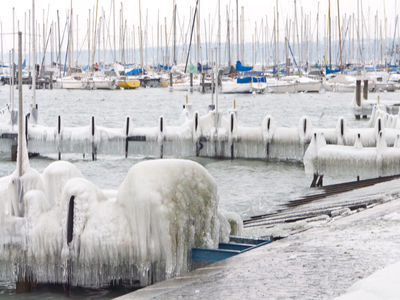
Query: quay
{"type": "Point", "coordinates": [319, 259]}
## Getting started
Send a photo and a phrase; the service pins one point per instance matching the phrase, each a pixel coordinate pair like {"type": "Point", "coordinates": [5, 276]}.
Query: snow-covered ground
{"type": "Point", "coordinates": [383, 284]}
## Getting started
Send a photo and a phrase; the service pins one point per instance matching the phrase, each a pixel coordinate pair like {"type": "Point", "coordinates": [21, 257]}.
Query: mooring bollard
{"type": "Point", "coordinates": [358, 96]}
{"type": "Point", "coordinates": [126, 138]}
{"type": "Point", "coordinates": [59, 136]}
{"type": "Point", "coordinates": [93, 145]}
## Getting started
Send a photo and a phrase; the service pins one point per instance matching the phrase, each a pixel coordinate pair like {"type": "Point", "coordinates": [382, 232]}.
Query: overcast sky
{"type": "Point", "coordinates": [254, 11]}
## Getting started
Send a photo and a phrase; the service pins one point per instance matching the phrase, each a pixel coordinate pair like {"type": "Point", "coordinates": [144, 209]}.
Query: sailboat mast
{"type": "Point", "coordinates": [277, 37]}
{"type": "Point", "coordinates": [88, 40]}
{"type": "Point", "coordinates": [340, 38]}
{"type": "Point", "coordinates": [33, 108]}
{"type": "Point", "coordinates": [198, 58]}
{"type": "Point", "coordinates": [228, 35]}
{"type": "Point", "coordinates": [237, 29]}
{"type": "Point", "coordinates": [95, 32]}
{"type": "Point", "coordinates": [318, 33]}
{"type": "Point", "coordinates": [141, 36]}
{"type": "Point", "coordinates": [174, 61]}
{"type": "Point", "coordinates": [219, 32]}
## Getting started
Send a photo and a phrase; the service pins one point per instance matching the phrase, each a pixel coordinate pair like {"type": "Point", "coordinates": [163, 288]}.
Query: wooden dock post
{"type": "Point", "coordinates": [59, 136]}
{"type": "Point", "coordinates": [365, 93]}
{"type": "Point", "coordinates": [170, 81]}
{"type": "Point", "coordinates": [93, 144]}
{"type": "Point", "coordinates": [365, 89]}
{"type": "Point", "coordinates": [232, 143]}
{"type": "Point", "coordinates": [203, 77]}
{"type": "Point", "coordinates": [268, 140]}
{"type": "Point", "coordinates": [14, 148]}
{"type": "Point", "coordinates": [126, 139]}
{"type": "Point", "coordinates": [26, 129]}
{"type": "Point", "coordinates": [196, 126]}
{"type": "Point", "coordinates": [358, 96]}
{"type": "Point", "coordinates": [51, 80]}
{"type": "Point", "coordinates": [161, 137]}
{"type": "Point", "coordinates": [191, 82]}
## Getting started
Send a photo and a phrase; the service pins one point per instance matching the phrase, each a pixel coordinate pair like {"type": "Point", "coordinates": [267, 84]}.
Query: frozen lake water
{"type": "Point", "coordinates": [248, 187]}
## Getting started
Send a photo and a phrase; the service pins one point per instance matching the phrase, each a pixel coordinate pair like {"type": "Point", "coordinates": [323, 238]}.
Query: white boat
{"type": "Point", "coordinates": [101, 83]}
{"type": "Point", "coordinates": [346, 84]}
{"type": "Point", "coordinates": [308, 85]}
{"type": "Point", "coordinates": [280, 86]}
{"type": "Point", "coordinates": [232, 87]}
{"type": "Point", "coordinates": [71, 82]}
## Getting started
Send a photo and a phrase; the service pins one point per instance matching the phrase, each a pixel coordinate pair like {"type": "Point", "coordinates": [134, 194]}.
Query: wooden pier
{"type": "Point", "coordinates": [316, 205]}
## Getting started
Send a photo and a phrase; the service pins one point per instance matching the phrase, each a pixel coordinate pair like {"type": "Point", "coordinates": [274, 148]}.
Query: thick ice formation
{"type": "Point", "coordinates": [383, 284]}
{"type": "Point", "coordinates": [72, 232]}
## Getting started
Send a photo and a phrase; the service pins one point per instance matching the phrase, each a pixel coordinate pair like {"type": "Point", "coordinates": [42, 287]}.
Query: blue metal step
{"type": "Point", "coordinates": [235, 246]}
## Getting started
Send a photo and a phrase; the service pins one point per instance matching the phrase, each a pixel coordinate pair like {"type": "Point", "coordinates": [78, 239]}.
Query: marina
{"type": "Point", "coordinates": [146, 156]}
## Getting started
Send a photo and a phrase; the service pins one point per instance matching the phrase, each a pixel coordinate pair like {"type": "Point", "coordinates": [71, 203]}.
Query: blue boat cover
{"type": "Point", "coordinates": [249, 79]}
{"type": "Point", "coordinates": [134, 71]}
{"type": "Point", "coordinates": [201, 67]}
{"type": "Point", "coordinates": [240, 68]}
{"type": "Point", "coordinates": [329, 71]}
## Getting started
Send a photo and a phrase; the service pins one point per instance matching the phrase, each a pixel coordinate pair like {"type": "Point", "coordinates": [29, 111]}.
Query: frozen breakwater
{"type": "Point", "coordinates": [211, 135]}
{"type": "Point", "coordinates": [57, 227]}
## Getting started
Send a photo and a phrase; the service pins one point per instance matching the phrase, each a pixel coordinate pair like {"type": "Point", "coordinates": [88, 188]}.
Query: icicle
{"type": "Point", "coordinates": [341, 130]}
{"type": "Point", "coordinates": [358, 144]}
{"type": "Point", "coordinates": [268, 128]}
{"type": "Point", "coordinates": [305, 130]}
{"type": "Point", "coordinates": [397, 141]}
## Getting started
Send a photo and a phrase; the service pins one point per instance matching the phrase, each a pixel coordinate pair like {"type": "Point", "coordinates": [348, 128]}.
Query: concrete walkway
{"type": "Point", "coordinates": [319, 263]}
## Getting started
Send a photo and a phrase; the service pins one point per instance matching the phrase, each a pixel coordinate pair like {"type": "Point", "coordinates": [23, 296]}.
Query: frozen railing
{"type": "Point", "coordinates": [322, 159]}
{"type": "Point", "coordinates": [211, 135]}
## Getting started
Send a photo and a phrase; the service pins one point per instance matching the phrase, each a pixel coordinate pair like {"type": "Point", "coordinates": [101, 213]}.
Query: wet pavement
{"type": "Point", "coordinates": [319, 263]}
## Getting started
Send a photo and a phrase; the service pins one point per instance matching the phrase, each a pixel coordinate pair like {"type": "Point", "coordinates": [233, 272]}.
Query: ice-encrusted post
{"type": "Point", "coordinates": [310, 160]}
{"type": "Point", "coordinates": [25, 279]}
{"type": "Point", "coordinates": [126, 137]}
{"type": "Point", "coordinates": [380, 149]}
{"type": "Point", "coordinates": [59, 136]}
{"type": "Point", "coordinates": [94, 150]}
{"type": "Point", "coordinates": [70, 237]}
{"type": "Point", "coordinates": [304, 130]}
{"type": "Point", "coordinates": [340, 138]}
{"type": "Point", "coordinates": [358, 96]}
{"type": "Point", "coordinates": [161, 137]}
{"type": "Point", "coordinates": [196, 134]}
{"type": "Point", "coordinates": [268, 132]}
{"type": "Point", "coordinates": [26, 128]}
{"type": "Point", "coordinates": [232, 134]}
